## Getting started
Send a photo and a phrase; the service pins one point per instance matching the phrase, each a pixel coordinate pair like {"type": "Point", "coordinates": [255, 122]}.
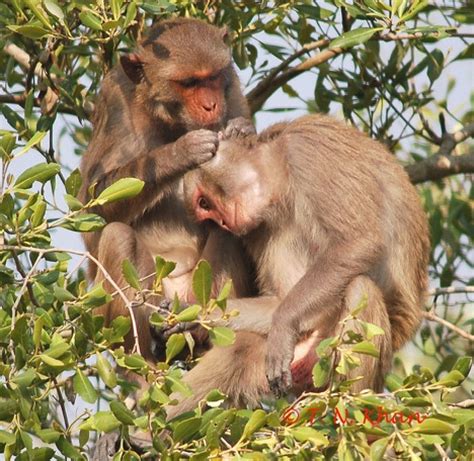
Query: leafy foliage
{"type": "Point", "coordinates": [381, 66]}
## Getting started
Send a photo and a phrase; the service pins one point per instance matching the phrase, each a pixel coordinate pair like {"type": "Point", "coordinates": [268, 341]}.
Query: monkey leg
{"type": "Point", "coordinates": [118, 242]}
{"type": "Point", "coordinates": [371, 369]}
{"type": "Point", "coordinates": [237, 370]}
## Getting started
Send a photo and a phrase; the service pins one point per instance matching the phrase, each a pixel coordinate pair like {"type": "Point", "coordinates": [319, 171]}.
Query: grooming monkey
{"type": "Point", "coordinates": [328, 217]}
{"type": "Point", "coordinates": [156, 117]}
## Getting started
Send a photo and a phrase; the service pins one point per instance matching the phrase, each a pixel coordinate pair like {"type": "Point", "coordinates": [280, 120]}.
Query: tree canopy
{"type": "Point", "coordinates": [398, 70]}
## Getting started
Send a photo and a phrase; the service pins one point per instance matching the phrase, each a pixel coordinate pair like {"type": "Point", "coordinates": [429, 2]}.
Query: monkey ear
{"type": "Point", "coordinates": [225, 35]}
{"type": "Point", "coordinates": [133, 67]}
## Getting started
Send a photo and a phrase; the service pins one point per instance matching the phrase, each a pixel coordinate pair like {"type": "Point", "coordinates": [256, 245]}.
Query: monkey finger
{"type": "Point", "coordinates": [179, 328]}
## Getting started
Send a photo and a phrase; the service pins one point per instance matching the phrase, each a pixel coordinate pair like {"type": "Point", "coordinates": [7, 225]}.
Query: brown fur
{"type": "Point", "coordinates": [328, 216]}
{"type": "Point", "coordinates": [157, 116]}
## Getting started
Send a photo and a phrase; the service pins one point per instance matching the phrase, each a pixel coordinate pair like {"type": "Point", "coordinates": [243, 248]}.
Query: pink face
{"type": "Point", "coordinates": [228, 215]}
{"type": "Point", "coordinates": [228, 191]}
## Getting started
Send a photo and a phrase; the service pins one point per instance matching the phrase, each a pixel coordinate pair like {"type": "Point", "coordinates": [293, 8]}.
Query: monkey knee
{"type": "Point", "coordinates": [117, 242]}
{"type": "Point", "coordinates": [114, 234]}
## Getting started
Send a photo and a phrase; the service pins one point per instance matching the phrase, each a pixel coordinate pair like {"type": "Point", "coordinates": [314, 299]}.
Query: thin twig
{"type": "Point", "coordinates": [107, 276]}
{"type": "Point", "coordinates": [433, 317]}
{"type": "Point", "coordinates": [450, 290]}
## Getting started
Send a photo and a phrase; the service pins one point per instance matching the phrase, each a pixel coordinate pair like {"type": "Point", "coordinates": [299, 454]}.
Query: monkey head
{"type": "Point", "coordinates": [183, 73]}
{"type": "Point", "coordinates": [237, 189]}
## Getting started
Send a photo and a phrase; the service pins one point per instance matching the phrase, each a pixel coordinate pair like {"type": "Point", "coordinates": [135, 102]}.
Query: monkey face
{"type": "Point", "coordinates": [183, 69]}
{"type": "Point", "coordinates": [230, 190]}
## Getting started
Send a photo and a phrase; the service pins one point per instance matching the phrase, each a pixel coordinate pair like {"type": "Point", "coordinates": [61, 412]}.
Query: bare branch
{"type": "Point", "coordinates": [443, 164]}
{"type": "Point", "coordinates": [451, 290]}
{"type": "Point", "coordinates": [434, 318]}
{"type": "Point", "coordinates": [22, 58]}
{"type": "Point", "coordinates": [20, 99]}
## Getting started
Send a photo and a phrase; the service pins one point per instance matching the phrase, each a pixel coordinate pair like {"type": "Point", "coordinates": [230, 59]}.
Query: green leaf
{"type": "Point", "coordinates": [189, 314]}
{"type": "Point", "coordinates": [130, 274]}
{"type": "Point", "coordinates": [74, 183]}
{"type": "Point", "coordinates": [202, 282]}
{"type": "Point", "coordinates": [122, 189]}
{"type": "Point", "coordinates": [256, 421]}
{"type": "Point", "coordinates": [371, 330]}
{"type": "Point", "coordinates": [321, 372]}
{"type": "Point", "coordinates": [116, 6]}
{"type": "Point", "coordinates": [452, 379]}
{"type": "Point", "coordinates": [90, 20]}
{"type": "Point", "coordinates": [8, 408]}
{"type": "Point", "coordinates": [86, 222]}
{"type": "Point", "coordinates": [303, 434]}
{"type": "Point", "coordinates": [463, 365]}
{"type": "Point", "coordinates": [366, 348]}
{"type": "Point", "coordinates": [73, 203]}
{"type": "Point", "coordinates": [432, 426]}
{"type": "Point", "coordinates": [377, 449]}
{"type": "Point", "coordinates": [435, 64]}
{"type": "Point", "coordinates": [222, 336]}
{"type": "Point", "coordinates": [163, 268]}
{"type": "Point", "coordinates": [178, 386]}
{"type": "Point", "coordinates": [7, 438]}
{"type": "Point", "coordinates": [48, 435]}
{"type": "Point", "coordinates": [225, 291]}
{"type": "Point", "coordinates": [52, 362]}
{"type": "Point", "coordinates": [106, 371]}
{"type": "Point", "coordinates": [135, 362]}
{"type": "Point", "coordinates": [35, 139]}
{"type": "Point", "coordinates": [174, 345]}
{"type": "Point", "coordinates": [354, 37]}
{"type": "Point", "coordinates": [185, 430]}
{"type": "Point", "coordinates": [41, 454]}
{"type": "Point", "coordinates": [121, 412]}
{"type": "Point", "coordinates": [104, 421]}
{"type": "Point", "coordinates": [41, 173]}
{"type": "Point", "coordinates": [54, 9]}
{"type": "Point", "coordinates": [30, 31]}
{"type": "Point", "coordinates": [83, 387]}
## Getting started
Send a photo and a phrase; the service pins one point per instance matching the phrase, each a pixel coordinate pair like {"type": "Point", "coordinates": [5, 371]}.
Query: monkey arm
{"type": "Point", "coordinates": [255, 314]}
{"type": "Point", "coordinates": [158, 168]}
{"type": "Point", "coordinates": [315, 302]}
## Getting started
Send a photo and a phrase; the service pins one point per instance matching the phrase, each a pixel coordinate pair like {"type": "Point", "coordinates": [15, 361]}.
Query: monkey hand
{"type": "Point", "coordinates": [239, 126]}
{"type": "Point", "coordinates": [196, 147]}
{"type": "Point", "coordinates": [278, 361]}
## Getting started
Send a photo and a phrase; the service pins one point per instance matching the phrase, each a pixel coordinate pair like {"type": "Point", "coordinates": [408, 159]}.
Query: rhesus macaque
{"type": "Point", "coordinates": [156, 117]}
{"type": "Point", "coordinates": [328, 217]}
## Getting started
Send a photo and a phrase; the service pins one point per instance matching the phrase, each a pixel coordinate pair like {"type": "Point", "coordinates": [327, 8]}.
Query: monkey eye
{"type": "Point", "coordinates": [204, 204]}
{"type": "Point", "coordinates": [189, 82]}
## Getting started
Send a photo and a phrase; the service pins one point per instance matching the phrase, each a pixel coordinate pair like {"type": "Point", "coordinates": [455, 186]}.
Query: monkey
{"type": "Point", "coordinates": [157, 116]}
{"type": "Point", "coordinates": [328, 216]}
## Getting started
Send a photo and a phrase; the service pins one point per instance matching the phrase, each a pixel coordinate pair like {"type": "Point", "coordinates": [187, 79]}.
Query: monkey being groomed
{"type": "Point", "coordinates": [328, 217]}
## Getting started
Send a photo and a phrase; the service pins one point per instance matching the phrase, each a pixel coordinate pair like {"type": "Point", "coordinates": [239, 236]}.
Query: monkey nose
{"type": "Point", "coordinates": [210, 106]}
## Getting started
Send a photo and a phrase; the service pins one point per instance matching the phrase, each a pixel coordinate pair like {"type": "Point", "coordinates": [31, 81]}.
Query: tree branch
{"type": "Point", "coordinates": [273, 82]}
{"type": "Point", "coordinates": [20, 99]}
{"type": "Point", "coordinates": [443, 164]}
{"type": "Point", "coordinates": [276, 77]}
{"type": "Point", "coordinates": [433, 317]}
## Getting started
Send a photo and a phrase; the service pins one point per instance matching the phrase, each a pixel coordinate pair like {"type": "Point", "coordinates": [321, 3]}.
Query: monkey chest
{"type": "Point", "coordinates": [282, 262]}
